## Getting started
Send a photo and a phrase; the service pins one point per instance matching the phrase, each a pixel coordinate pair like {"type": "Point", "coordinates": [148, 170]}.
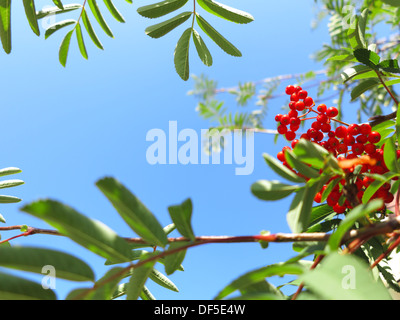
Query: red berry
{"type": "Point", "coordinates": [305, 136]}
{"type": "Point", "coordinates": [282, 129]}
{"type": "Point", "coordinates": [332, 112]}
{"type": "Point", "coordinates": [294, 128]}
{"type": "Point", "coordinates": [294, 142]}
{"type": "Point", "coordinates": [285, 119]}
{"type": "Point", "coordinates": [319, 136]}
{"type": "Point", "coordinates": [333, 142]}
{"type": "Point", "coordinates": [293, 114]}
{"type": "Point", "coordinates": [300, 106]}
{"type": "Point", "coordinates": [325, 127]}
{"type": "Point", "coordinates": [342, 148]}
{"type": "Point", "coordinates": [318, 197]}
{"type": "Point", "coordinates": [312, 133]}
{"type": "Point", "coordinates": [357, 148]}
{"type": "Point", "coordinates": [321, 108]}
{"type": "Point", "coordinates": [295, 121]}
{"type": "Point", "coordinates": [365, 128]}
{"type": "Point", "coordinates": [370, 148]}
{"type": "Point", "coordinates": [294, 97]}
{"type": "Point", "coordinates": [316, 125]}
{"type": "Point", "coordinates": [289, 89]}
{"type": "Point", "coordinates": [322, 118]}
{"type": "Point", "coordinates": [338, 208]}
{"type": "Point", "coordinates": [341, 132]}
{"type": "Point", "coordinates": [353, 129]}
{"type": "Point", "coordinates": [374, 137]}
{"type": "Point", "coordinates": [290, 135]}
{"type": "Point", "coordinates": [278, 117]}
{"type": "Point", "coordinates": [281, 156]}
{"type": "Point", "coordinates": [302, 94]}
{"type": "Point", "coordinates": [297, 89]}
{"type": "Point", "coordinates": [308, 101]}
{"type": "Point", "coordinates": [362, 138]}
{"type": "Point", "coordinates": [349, 140]}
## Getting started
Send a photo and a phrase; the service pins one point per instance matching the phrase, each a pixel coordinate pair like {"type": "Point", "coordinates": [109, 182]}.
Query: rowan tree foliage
{"type": "Point", "coordinates": [343, 178]}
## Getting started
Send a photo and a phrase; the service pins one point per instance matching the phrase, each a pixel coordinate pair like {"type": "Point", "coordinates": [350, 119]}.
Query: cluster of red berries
{"type": "Point", "coordinates": [345, 142]}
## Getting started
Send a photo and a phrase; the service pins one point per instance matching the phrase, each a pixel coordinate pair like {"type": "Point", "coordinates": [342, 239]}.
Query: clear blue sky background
{"type": "Point", "coordinates": [68, 127]}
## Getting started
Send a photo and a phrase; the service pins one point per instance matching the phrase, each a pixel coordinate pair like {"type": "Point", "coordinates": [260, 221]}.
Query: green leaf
{"type": "Point", "coordinates": [257, 275]}
{"type": "Point", "coordinates": [223, 43]}
{"type": "Point", "coordinates": [390, 65]}
{"type": "Point", "coordinates": [8, 171]}
{"type": "Point", "coordinates": [81, 42]}
{"type": "Point", "coordinates": [146, 294]}
{"type": "Point", "coordinates": [363, 87]}
{"type": "Point", "coordinates": [354, 35]}
{"type": "Point", "coordinates": [181, 215]}
{"type": "Point", "coordinates": [114, 11]}
{"type": "Point", "coordinates": [103, 289]}
{"type": "Point", "coordinates": [354, 71]}
{"type": "Point", "coordinates": [160, 9]}
{"type": "Point", "coordinates": [354, 215]}
{"type": "Point", "coordinates": [5, 25]}
{"type": "Point", "coordinates": [133, 211]}
{"type": "Point", "coordinates": [57, 26]}
{"type": "Point", "coordinates": [162, 280]}
{"type": "Point", "coordinates": [202, 50]}
{"type": "Point", "coordinates": [89, 29]}
{"type": "Point", "coordinates": [91, 234]}
{"type": "Point", "coordinates": [344, 277]}
{"type": "Point", "coordinates": [367, 57]}
{"type": "Point", "coordinates": [30, 12]}
{"type": "Point", "coordinates": [16, 288]}
{"type": "Point", "coordinates": [300, 166]}
{"type": "Point", "coordinates": [376, 184]}
{"type": "Point", "coordinates": [161, 29]}
{"type": "Point", "coordinates": [64, 48]}
{"type": "Point", "coordinates": [99, 17]}
{"type": "Point", "coordinates": [9, 199]}
{"type": "Point", "coordinates": [226, 12]}
{"type": "Point", "coordinates": [181, 55]}
{"type": "Point", "coordinates": [319, 213]}
{"type": "Point", "coordinates": [272, 190]}
{"type": "Point", "coordinates": [10, 183]}
{"type": "Point", "coordinates": [59, 4]}
{"type": "Point", "coordinates": [138, 280]}
{"type": "Point", "coordinates": [311, 153]}
{"type": "Point", "coordinates": [56, 10]}
{"type": "Point", "coordinates": [393, 3]}
{"type": "Point", "coordinates": [173, 261]}
{"type": "Point", "coordinates": [281, 170]}
{"type": "Point", "coordinates": [390, 156]}
{"type": "Point", "coordinates": [33, 259]}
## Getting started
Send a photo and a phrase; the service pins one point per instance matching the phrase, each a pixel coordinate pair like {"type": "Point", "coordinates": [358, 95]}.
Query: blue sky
{"type": "Point", "coordinates": [68, 127]}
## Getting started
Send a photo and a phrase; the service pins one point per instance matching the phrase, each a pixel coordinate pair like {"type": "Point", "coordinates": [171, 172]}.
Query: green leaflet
{"type": "Point", "coordinates": [344, 277]}
{"type": "Point", "coordinates": [354, 215]}
{"type": "Point", "coordinates": [9, 199]}
{"type": "Point", "coordinates": [367, 57]}
{"type": "Point", "coordinates": [390, 156]}
{"type": "Point", "coordinates": [10, 183]}
{"type": "Point", "coordinates": [133, 211]}
{"type": "Point", "coordinates": [258, 275]}
{"type": "Point", "coordinates": [33, 259]}
{"type": "Point", "coordinates": [57, 26]}
{"type": "Point", "coordinates": [272, 190]}
{"type": "Point", "coordinates": [202, 50]}
{"type": "Point", "coordinates": [375, 185]}
{"type": "Point", "coordinates": [5, 24]}
{"type": "Point", "coordinates": [30, 12]}
{"type": "Point", "coordinates": [8, 171]}
{"type": "Point", "coordinates": [138, 280]}
{"type": "Point", "coordinates": [223, 43]}
{"type": "Point", "coordinates": [103, 289]}
{"type": "Point", "coordinates": [173, 261]}
{"type": "Point", "coordinates": [160, 9]}
{"type": "Point", "coordinates": [225, 12]}
{"type": "Point", "coordinates": [146, 294]}
{"type": "Point", "coordinates": [162, 280]}
{"type": "Point", "coordinates": [393, 3]}
{"type": "Point", "coordinates": [281, 170]}
{"type": "Point", "coordinates": [181, 215]}
{"type": "Point", "coordinates": [354, 71]}
{"type": "Point", "coordinates": [363, 86]}
{"type": "Point", "coordinates": [16, 288]}
{"type": "Point", "coordinates": [56, 10]}
{"type": "Point", "coordinates": [59, 4]}
{"type": "Point", "coordinates": [161, 29]}
{"type": "Point", "coordinates": [81, 42]}
{"type": "Point", "coordinates": [99, 17]}
{"type": "Point", "coordinates": [89, 29]}
{"type": "Point", "coordinates": [64, 48]}
{"type": "Point", "coordinates": [91, 234]}
{"type": "Point", "coordinates": [181, 54]}
{"type": "Point", "coordinates": [114, 11]}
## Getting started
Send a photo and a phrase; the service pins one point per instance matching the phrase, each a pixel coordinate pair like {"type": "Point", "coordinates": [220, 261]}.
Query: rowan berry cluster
{"type": "Point", "coordinates": [345, 142]}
